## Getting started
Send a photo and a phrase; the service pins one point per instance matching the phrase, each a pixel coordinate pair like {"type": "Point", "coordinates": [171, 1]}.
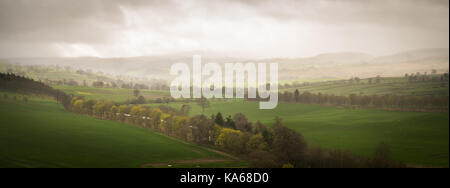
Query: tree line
{"type": "Point", "coordinates": [21, 84]}
{"type": "Point", "coordinates": [263, 146]}
{"type": "Point", "coordinates": [387, 101]}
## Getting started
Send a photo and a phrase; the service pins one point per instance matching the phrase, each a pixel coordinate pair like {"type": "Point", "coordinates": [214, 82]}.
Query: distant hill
{"type": "Point", "coordinates": [331, 65]}
{"type": "Point", "coordinates": [416, 56]}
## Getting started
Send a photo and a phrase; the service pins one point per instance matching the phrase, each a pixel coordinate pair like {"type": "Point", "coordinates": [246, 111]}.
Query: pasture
{"type": "Point", "coordinates": [416, 138]}
{"type": "Point", "coordinates": [110, 94]}
{"type": "Point", "coordinates": [40, 133]}
{"type": "Point", "coordinates": [395, 86]}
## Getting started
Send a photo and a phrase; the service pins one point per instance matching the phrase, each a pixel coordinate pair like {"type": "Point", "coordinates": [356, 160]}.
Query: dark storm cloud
{"type": "Point", "coordinates": [29, 24]}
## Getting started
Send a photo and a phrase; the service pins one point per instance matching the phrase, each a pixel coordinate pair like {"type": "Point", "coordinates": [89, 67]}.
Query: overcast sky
{"type": "Point", "coordinates": [240, 28]}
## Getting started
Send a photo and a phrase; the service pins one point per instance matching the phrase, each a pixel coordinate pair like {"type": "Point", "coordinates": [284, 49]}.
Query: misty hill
{"type": "Point", "coordinates": [328, 66]}
{"type": "Point", "coordinates": [417, 56]}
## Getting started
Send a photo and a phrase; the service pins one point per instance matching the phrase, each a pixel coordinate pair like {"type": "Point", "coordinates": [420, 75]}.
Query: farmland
{"type": "Point", "coordinates": [40, 133]}
{"type": "Point", "coordinates": [416, 138]}
{"type": "Point", "coordinates": [111, 94]}
{"type": "Point", "coordinates": [388, 85]}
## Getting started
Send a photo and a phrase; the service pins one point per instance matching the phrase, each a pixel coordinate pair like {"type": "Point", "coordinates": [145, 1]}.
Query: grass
{"type": "Point", "coordinates": [40, 133]}
{"type": "Point", "coordinates": [111, 94]}
{"type": "Point", "coordinates": [416, 138]}
{"type": "Point", "coordinates": [396, 86]}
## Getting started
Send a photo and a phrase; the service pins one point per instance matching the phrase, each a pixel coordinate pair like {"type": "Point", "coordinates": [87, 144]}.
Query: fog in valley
{"type": "Point", "coordinates": [309, 39]}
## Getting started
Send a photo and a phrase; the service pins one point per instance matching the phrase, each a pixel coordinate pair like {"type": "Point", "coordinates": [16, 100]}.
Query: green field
{"type": "Point", "coordinates": [395, 86]}
{"type": "Point", "coordinates": [40, 133]}
{"type": "Point", "coordinates": [416, 138]}
{"type": "Point", "coordinates": [111, 94]}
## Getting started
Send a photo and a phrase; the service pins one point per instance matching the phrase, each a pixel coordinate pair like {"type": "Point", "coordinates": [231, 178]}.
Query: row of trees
{"type": "Point", "coordinates": [261, 145]}
{"type": "Point", "coordinates": [21, 84]}
{"type": "Point", "coordinates": [388, 101]}
{"type": "Point", "coordinates": [376, 101]}
{"type": "Point", "coordinates": [91, 78]}
{"type": "Point", "coordinates": [425, 77]}
{"type": "Point", "coordinates": [412, 77]}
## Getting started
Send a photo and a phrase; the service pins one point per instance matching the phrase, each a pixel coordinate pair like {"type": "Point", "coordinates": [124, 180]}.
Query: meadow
{"type": "Point", "coordinates": [416, 138]}
{"type": "Point", "coordinates": [110, 94]}
{"type": "Point", "coordinates": [40, 133]}
{"type": "Point", "coordinates": [388, 85]}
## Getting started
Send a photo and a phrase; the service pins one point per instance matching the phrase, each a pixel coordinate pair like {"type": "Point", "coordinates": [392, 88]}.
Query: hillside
{"type": "Point", "coordinates": [416, 138]}
{"type": "Point", "coordinates": [340, 65]}
{"type": "Point", "coordinates": [40, 133]}
{"type": "Point", "coordinates": [388, 85]}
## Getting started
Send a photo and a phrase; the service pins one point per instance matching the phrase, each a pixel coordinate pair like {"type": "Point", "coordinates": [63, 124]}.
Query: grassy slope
{"type": "Point", "coordinates": [415, 137]}
{"type": "Point", "coordinates": [396, 86]}
{"type": "Point", "coordinates": [111, 94]}
{"type": "Point", "coordinates": [41, 133]}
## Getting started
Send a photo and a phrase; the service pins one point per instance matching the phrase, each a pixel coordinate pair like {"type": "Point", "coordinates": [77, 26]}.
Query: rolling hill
{"type": "Point", "coordinates": [341, 65]}
{"type": "Point", "coordinates": [416, 138]}
{"type": "Point", "coordinates": [40, 133]}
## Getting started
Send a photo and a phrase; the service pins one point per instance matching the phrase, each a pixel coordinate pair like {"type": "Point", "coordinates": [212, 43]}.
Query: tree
{"type": "Point", "coordinates": [124, 110]}
{"type": "Point", "coordinates": [185, 109]}
{"type": "Point", "coordinates": [229, 139]}
{"type": "Point", "coordinates": [378, 80]}
{"type": "Point", "coordinates": [136, 92]}
{"type": "Point", "coordinates": [100, 109]}
{"type": "Point", "coordinates": [155, 115]}
{"type": "Point", "coordinates": [297, 95]}
{"type": "Point", "coordinates": [201, 128]}
{"type": "Point", "coordinates": [262, 159]}
{"type": "Point", "coordinates": [181, 127]}
{"type": "Point", "coordinates": [114, 112]}
{"type": "Point", "coordinates": [242, 122]}
{"type": "Point", "coordinates": [78, 105]}
{"type": "Point", "coordinates": [265, 132]}
{"type": "Point", "coordinates": [204, 103]}
{"type": "Point", "coordinates": [98, 84]}
{"type": "Point", "coordinates": [138, 114]}
{"type": "Point", "coordinates": [230, 123]}
{"type": "Point", "coordinates": [140, 100]}
{"type": "Point", "coordinates": [256, 142]}
{"type": "Point", "coordinates": [289, 146]}
{"type": "Point", "coordinates": [89, 106]}
{"type": "Point", "coordinates": [219, 119]}
{"type": "Point", "coordinates": [215, 133]}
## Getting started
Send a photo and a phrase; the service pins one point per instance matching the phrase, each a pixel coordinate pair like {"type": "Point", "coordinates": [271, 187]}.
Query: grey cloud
{"type": "Point", "coordinates": [407, 13]}
{"type": "Point", "coordinates": [26, 24]}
